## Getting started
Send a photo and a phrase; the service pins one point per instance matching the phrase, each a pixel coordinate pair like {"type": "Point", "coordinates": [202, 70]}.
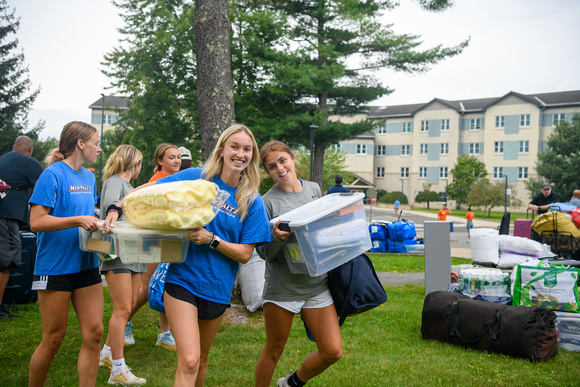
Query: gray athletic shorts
{"type": "Point", "coordinates": [10, 244]}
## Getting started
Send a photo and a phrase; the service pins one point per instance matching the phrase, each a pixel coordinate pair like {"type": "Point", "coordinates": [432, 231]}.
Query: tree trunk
{"type": "Point", "coordinates": [215, 93]}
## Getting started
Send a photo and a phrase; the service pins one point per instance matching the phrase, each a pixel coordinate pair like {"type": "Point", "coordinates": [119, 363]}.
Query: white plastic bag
{"type": "Point", "coordinates": [524, 246]}
{"type": "Point", "coordinates": [485, 245]}
{"type": "Point", "coordinates": [251, 280]}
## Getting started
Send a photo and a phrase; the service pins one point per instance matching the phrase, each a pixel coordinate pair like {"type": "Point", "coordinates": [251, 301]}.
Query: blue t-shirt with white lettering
{"type": "Point", "coordinates": [68, 193]}
{"type": "Point", "coordinates": [207, 273]}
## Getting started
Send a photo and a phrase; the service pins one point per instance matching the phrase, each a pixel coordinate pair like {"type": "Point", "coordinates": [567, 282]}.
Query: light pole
{"type": "Point", "coordinates": [101, 154]}
{"type": "Point", "coordinates": [505, 196]}
{"type": "Point", "coordinates": [402, 181]}
{"type": "Point", "coordinates": [312, 129]}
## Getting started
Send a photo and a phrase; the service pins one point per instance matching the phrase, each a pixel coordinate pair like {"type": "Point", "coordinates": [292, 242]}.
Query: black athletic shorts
{"type": "Point", "coordinates": [67, 282]}
{"type": "Point", "coordinates": [206, 310]}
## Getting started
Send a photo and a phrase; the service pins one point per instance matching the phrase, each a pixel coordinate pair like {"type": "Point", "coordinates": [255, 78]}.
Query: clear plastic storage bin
{"type": "Point", "coordinates": [327, 232]}
{"type": "Point", "coordinates": [98, 242]}
{"type": "Point", "coordinates": [137, 245]}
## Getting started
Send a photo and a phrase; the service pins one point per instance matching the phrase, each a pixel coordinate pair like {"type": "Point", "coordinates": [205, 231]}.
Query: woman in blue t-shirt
{"type": "Point", "coordinates": [64, 198]}
{"type": "Point", "coordinates": [198, 291]}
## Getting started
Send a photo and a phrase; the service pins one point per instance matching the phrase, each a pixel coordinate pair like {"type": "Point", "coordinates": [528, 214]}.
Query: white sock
{"type": "Point", "coordinates": [106, 351]}
{"type": "Point", "coordinates": [118, 366]}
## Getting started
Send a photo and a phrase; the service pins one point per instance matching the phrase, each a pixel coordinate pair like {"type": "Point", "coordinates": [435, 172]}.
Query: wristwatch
{"type": "Point", "coordinates": [215, 242]}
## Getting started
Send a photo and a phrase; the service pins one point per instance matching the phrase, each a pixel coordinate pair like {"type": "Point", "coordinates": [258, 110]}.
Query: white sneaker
{"type": "Point", "coordinates": [129, 339]}
{"type": "Point", "coordinates": [166, 341]}
{"type": "Point", "coordinates": [106, 361]}
{"type": "Point", "coordinates": [126, 378]}
{"type": "Point", "coordinates": [283, 382]}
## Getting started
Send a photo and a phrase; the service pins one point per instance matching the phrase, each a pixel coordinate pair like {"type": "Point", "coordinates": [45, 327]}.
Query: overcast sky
{"type": "Point", "coordinates": [526, 46]}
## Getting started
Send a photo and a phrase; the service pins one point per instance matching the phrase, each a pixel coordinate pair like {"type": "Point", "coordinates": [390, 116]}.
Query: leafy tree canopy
{"type": "Point", "coordinates": [154, 66]}
{"type": "Point", "coordinates": [559, 164]}
{"type": "Point", "coordinates": [466, 172]}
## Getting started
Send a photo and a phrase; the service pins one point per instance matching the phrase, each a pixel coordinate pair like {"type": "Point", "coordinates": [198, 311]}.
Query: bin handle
{"type": "Point", "coordinates": [348, 210]}
{"type": "Point", "coordinates": [284, 226]}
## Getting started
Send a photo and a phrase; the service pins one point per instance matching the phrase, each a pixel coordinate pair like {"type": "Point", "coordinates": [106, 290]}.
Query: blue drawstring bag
{"type": "Point", "coordinates": [156, 288]}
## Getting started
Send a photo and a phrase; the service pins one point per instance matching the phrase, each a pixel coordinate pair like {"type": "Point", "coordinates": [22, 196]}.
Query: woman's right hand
{"type": "Point", "coordinates": [89, 223]}
{"type": "Point", "coordinates": [110, 221]}
{"type": "Point", "coordinates": [280, 234]}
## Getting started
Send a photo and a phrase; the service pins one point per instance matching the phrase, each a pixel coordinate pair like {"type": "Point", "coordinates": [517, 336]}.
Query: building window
{"type": "Point", "coordinates": [382, 129]}
{"type": "Point", "coordinates": [381, 150]}
{"type": "Point", "coordinates": [422, 149]}
{"type": "Point", "coordinates": [338, 147]}
{"type": "Point", "coordinates": [475, 124]}
{"type": "Point", "coordinates": [361, 149]}
{"type": "Point", "coordinates": [422, 172]}
{"type": "Point", "coordinates": [474, 148]}
{"type": "Point", "coordinates": [406, 127]}
{"type": "Point", "coordinates": [380, 171]}
{"type": "Point", "coordinates": [499, 122]}
{"type": "Point", "coordinates": [498, 172]}
{"type": "Point", "coordinates": [556, 118]}
{"type": "Point", "coordinates": [522, 173]}
{"type": "Point", "coordinates": [424, 126]}
{"type": "Point", "coordinates": [498, 147]}
{"type": "Point", "coordinates": [405, 172]}
{"type": "Point", "coordinates": [525, 121]}
{"type": "Point", "coordinates": [443, 172]}
{"type": "Point", "coordinates": [445, 125]}
{"type": "Point", "coordinates": [405, 150]}
{"type": "Point", "coordinates": [444, 148]}
{"type": "Point", "coordinates": [524, 147]}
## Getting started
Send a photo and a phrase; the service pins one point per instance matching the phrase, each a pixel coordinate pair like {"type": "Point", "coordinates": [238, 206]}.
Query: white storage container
{"type": "Point", "coordinates": [97, 242]}
{"type": "Point", "coordinates": [327, 232]}
{"type": "Point", "coordinates": [138, 245]}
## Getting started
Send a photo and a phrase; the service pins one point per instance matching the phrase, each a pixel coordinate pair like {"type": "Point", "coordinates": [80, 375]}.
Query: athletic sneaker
{"type": "Point", "coordinates": [166, 341]}
{"type": "Point", "coordinates": [106, 361]}
{"type": "Point", "coordinates": [129, 339]}
{"type": "Point", "coordinates": [283, 382]}
{"type": "Point", "coordinates": [126, 378]}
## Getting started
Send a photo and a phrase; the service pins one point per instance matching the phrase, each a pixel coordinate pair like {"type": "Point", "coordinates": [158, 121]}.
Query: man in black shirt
{"type": "Point", "coordinates": [541, 202]}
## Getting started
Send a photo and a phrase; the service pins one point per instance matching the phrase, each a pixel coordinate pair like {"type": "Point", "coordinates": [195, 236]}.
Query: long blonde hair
{"type": "Point", "coordinates": [247, 190]}
{"type": "Point", "coordinates": [159, 153]}
{"type": "Point", "coordinates": [123, 158]}
{"type": "Point", "coordinates": [71, 133]}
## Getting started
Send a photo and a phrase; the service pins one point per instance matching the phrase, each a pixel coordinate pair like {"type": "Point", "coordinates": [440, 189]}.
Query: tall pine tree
{"type": "Point", "coordinates": [15, 98]}
{"type": "Point", "coordinates": [319, 59]}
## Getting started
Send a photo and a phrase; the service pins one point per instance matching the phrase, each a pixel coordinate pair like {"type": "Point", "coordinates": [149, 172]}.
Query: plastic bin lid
{"type": "Point", "coordinates": [318, 208]}
{"type": "Point", "coordinates": [125, 228]}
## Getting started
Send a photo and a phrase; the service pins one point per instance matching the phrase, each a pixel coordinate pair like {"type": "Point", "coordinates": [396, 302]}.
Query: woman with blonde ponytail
{"type": "Point", "coordinates": [64, 198]}
{"type": "Point", "coordinates": [123, 280]}
{"type": "Point", "coordinates": [198, 291]}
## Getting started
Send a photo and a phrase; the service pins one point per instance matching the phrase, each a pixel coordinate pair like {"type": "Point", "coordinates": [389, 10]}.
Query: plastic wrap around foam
{"type": "Point", "coordinates": [179, 205]}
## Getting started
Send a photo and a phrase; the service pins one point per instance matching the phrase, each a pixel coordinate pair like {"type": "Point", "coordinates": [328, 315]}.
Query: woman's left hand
{"type": "Point", "coordinates": [199, 236]}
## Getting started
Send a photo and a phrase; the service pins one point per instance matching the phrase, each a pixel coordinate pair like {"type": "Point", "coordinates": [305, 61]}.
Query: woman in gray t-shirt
{"type": "Point", "coordinates": [123, 280]}
{"type": "Point", "coordinates": [285, 293]}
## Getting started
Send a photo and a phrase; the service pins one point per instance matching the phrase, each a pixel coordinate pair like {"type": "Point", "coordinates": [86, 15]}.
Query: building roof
{"type": "Point", "coordinates": [112, 102]}
{"type": "Point", "coordinates": [545, 100]}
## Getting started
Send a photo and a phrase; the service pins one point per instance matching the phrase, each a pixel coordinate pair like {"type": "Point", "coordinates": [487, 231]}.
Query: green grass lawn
{"type": "Point", "coordinates": [382, 347]}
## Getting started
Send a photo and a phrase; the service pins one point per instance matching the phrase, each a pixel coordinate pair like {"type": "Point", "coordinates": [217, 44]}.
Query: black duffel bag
{"type": "Point", "coordinates": [518, 331]}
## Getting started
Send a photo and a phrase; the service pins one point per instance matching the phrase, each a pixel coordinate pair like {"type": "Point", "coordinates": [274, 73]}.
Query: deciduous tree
{"type": "Point", "coordinates": [466, 172]}
{"type": "Point", "coordinates": [559, 163]}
